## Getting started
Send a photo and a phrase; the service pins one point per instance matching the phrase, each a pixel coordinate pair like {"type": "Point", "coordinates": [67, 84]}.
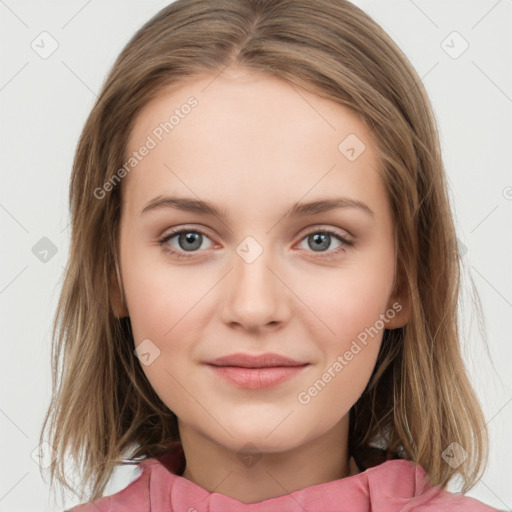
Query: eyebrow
{"type": "Point", "coordinates": [299, 209]}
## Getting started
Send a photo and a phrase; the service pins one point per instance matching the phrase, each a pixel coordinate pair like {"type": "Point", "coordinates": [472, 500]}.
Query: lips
{"type": "Point", "coordinates": [256, 372]}
{"type": "Point", "coordinates": [260, 361]}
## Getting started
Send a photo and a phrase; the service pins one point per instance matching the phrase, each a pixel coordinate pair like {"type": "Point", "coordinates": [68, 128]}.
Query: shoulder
{"type": "Point", "coordinates": [391, 478]}
{"type": "Point", "coordinates": [439, 499]}
{"type": "Point", "coordinates": [406, 487]}
{"type": "Point", "coordinates": [157, 473]}
{"type": "Point", "coordinates": [133, 498]}
{"type": "Point", "coordinates": [444, 500]}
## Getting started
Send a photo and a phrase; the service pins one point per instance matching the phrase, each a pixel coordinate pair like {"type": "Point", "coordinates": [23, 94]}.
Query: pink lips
{"type": "Point", "coordinates": [256, 372]}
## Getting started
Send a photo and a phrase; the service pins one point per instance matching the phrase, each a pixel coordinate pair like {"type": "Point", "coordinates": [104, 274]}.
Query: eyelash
{"type": "Point", "coordinates": [327, 255]}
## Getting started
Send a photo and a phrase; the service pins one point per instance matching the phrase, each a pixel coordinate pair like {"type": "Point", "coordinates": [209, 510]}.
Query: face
{"type": "Point", "coordinates": [262, 275]}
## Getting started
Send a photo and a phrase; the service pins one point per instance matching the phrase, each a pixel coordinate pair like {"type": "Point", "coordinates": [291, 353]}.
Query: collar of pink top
{"type": "Point", "coordinates": [392, 486]}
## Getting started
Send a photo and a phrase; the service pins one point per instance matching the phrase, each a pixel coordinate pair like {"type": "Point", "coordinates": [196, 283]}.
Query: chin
{"type": "Point", "coordinates": [264, 437]}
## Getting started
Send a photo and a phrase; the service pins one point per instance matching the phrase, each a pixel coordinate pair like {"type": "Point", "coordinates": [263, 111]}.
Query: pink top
{"type": "Point", "coordinates": [392, 486]}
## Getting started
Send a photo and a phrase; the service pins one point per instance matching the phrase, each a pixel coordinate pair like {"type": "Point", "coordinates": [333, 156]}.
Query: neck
{"type": "Point", "coordinates": [263, 475]}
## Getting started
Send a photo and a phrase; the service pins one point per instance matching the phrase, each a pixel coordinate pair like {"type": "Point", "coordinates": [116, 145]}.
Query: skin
{"type": "Point", "coordinates": [255, 145]}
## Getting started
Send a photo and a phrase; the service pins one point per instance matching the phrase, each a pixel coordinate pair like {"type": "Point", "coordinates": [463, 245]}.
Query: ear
{"type": "Point", "coordinates": [117, 301]}
{"type": "Point", "coordinates": [400, 304]}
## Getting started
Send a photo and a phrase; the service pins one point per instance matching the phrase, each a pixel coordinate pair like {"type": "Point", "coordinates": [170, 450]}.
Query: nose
{"type": "Point", "coordinates": [255, 296]}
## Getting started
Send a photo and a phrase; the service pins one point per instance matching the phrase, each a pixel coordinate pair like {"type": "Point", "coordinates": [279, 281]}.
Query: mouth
{"type": "Point", "coordinates": [256, 372]}
{"type": "Point", "coordinates": [267, 360]}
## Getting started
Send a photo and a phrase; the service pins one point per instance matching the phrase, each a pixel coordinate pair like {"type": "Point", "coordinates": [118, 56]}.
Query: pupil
{"type": "Point", "coordinates": [190, 238]}
{"type": "Point", "coordinates": [321, 238]}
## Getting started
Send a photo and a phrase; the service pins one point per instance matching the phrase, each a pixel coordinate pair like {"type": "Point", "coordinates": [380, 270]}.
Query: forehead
{"type": "Point", "coordinates": [263, 138]}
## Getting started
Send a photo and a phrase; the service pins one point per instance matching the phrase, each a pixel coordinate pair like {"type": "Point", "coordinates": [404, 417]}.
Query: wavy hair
{"type": "Point", "coordinates": [419, 399]}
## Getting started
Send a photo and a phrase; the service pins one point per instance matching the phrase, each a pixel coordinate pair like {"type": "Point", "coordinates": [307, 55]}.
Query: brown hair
{"type": "Point", "coordinates": [419, 399]}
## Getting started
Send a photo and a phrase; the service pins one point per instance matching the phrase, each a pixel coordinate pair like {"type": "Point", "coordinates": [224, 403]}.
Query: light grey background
{"type": "Point", "coordinates": [44, 103]}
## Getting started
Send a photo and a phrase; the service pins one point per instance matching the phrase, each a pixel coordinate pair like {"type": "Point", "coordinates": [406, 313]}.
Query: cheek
{"type": "Point", "coordinates": [352, 309]}
{"type": "Point", "coordinates": [166, 307]}
{"type": "Point", "coordinates": [161, 298]}
{"type": "Point", "coordinates": [337, 387]}
{"type": "Point", "coordinates": [350, 306]}
{"type": "Point", "coordinates": [347, 301]}
{"type": "Point", "coordinates": [163, 325]}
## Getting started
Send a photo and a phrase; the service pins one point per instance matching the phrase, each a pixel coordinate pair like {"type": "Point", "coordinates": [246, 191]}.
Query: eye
{"type": "Point", "coordinates": [188, 240]}
{"type": "Point", "coordinates": [321, 239]}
